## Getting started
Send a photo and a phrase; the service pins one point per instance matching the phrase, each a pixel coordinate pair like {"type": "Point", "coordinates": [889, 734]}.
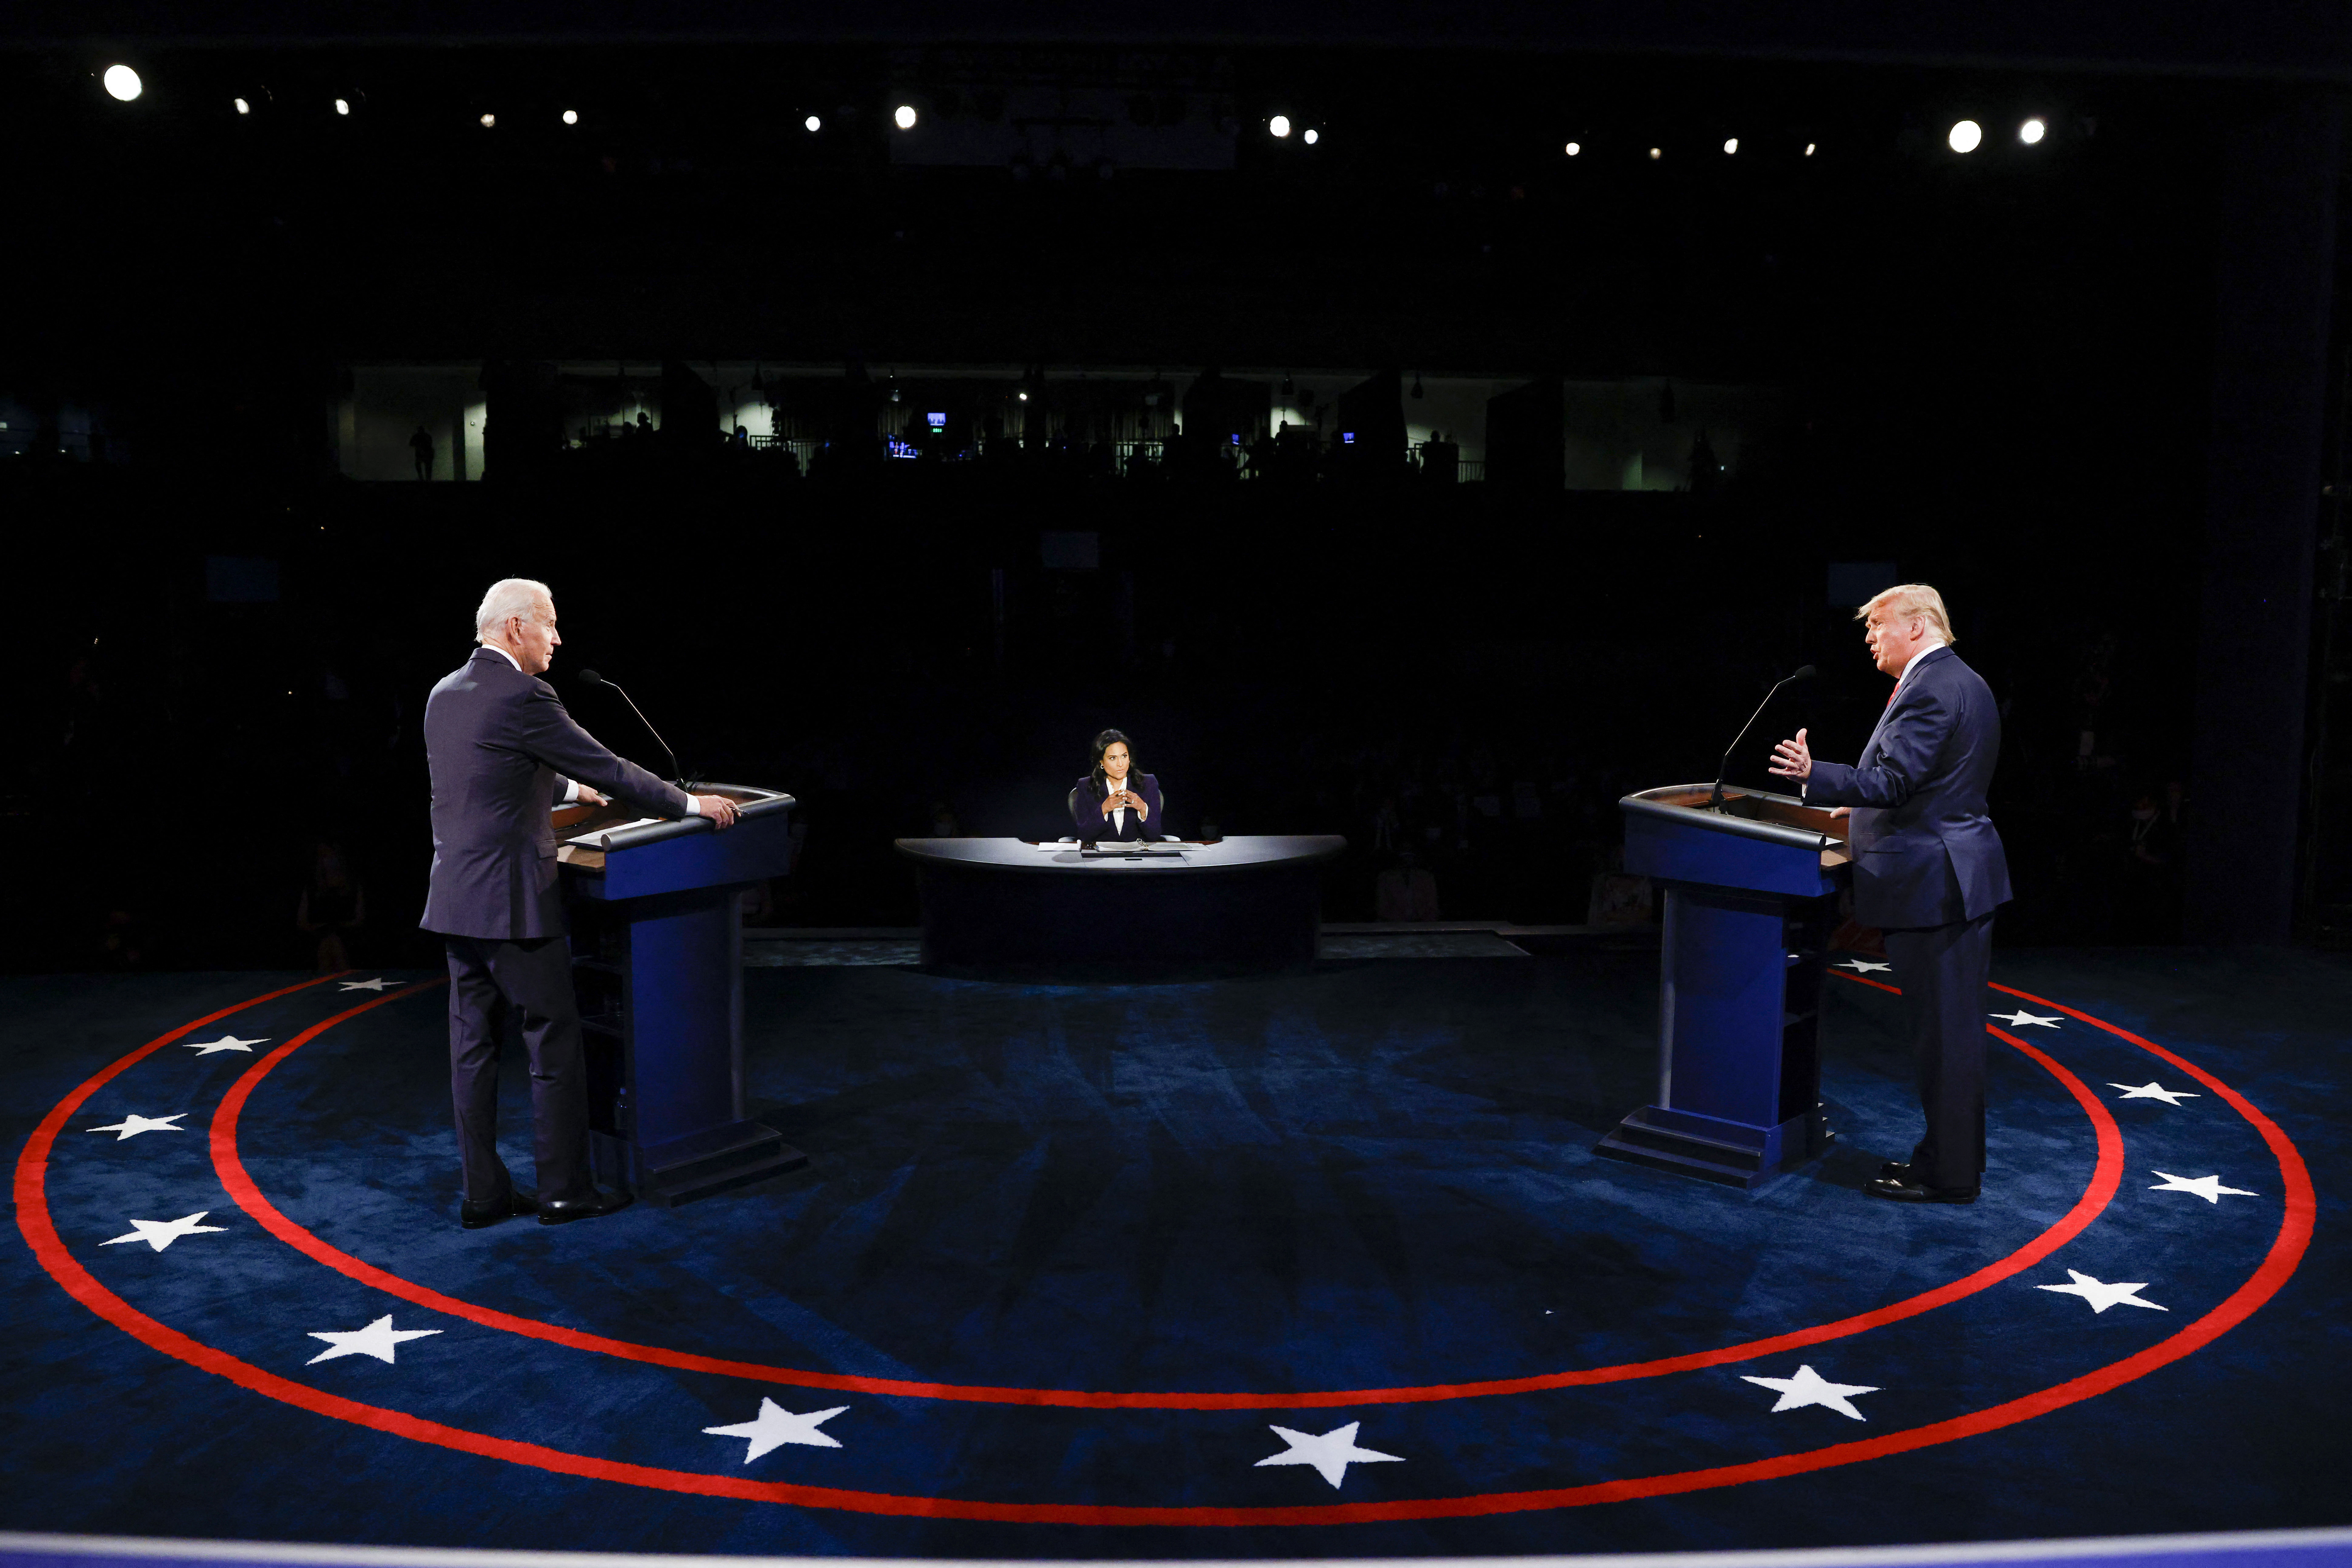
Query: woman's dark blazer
{"type": "Point", "coordinates": [1085, 809]}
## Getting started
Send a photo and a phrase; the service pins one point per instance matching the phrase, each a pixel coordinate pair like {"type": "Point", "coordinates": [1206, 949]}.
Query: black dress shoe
{"type": "Point", "coordinates": [474, 1216]}
{"type": "Point", "coordinates": [1908, 1191]}
{"type": "Point", "coordinates": [1894, 1170]}
{"type": "Point", "coordinates": [564, 1211]}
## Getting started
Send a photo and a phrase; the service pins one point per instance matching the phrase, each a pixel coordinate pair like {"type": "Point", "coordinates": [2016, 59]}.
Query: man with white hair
{"type": "Point", "coordinates": [1929, 871]}
{"type": "Point", "coordinates": [502, 752]}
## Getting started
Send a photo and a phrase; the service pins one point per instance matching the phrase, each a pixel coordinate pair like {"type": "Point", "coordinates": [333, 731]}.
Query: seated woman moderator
{"type": "Point", "coordinates": [1114, 801]}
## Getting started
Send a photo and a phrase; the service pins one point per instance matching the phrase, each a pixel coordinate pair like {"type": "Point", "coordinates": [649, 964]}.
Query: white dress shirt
{"type": "Point", "coordinates": [1118, 818]}
{"type": "Point", "coordinates": [571, 786]}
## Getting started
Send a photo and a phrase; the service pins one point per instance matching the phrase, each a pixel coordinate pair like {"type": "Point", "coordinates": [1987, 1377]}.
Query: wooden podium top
{"type": "Point", "coordinates": [616, 827]}
{"type": "Point", "coordinates": [1752, 813]}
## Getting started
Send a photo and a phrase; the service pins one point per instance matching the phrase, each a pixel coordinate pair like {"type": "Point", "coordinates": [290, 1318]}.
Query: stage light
{"type": "Point", "coordinates": [122, 83]}
{"type": "Point", "coordinates": [488, 120]}
{"type": "Point", "coordinates": [812, 123]}
{"type": "Point", "coordinates": [570, 117]}
{"type": "Point", "coordinates": [2032, 132]}
{"type": "Point", "coordinates": [1731, 144]}
{"type": "Point", "coordinates": [1312, 136]}
{"type": "Point", "coordinates": [1809, 149]}
{"type": "Point", "coordinates": [905, 117]}
{"type": "Point", "coordinates": [1657, 154]}
{"type": "Point", "coordinates": [242, 107]}
{"type": "Point", "coordinates": [342, 106]}
{"type": "Point", "coordinates": [1964, 136]}
{"type": "Point", "coordinates": [1279, 125]}
{"type": "Point", "coordinates": [1574, 148]}
{"type": "Point", "coordinates": [1023, 396]}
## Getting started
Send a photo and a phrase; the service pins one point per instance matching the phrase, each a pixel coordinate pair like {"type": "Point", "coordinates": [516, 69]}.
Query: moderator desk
{"type": "Point", "coordinates": [657, 962]}
{"type": "Point", "coordinates": [1255, 900]}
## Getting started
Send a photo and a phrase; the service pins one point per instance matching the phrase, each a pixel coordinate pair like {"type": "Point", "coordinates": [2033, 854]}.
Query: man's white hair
{"type": "Point", "coordinates": [510, 596]}
{"type": "Point", "coordinates": [1906, 600]}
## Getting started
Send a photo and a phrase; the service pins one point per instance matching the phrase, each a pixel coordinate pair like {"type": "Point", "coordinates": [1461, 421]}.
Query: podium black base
{"type": "Point", "coordinates": [1732, 1153]}
{"type": "Point", "coordinates": [666, 1175]}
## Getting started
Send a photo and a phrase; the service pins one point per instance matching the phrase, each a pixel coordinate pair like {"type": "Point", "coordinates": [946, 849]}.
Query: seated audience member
{"type": "Point", "coordinates": [1407, 890]}
{"type": "Point", "coordinates": [1114, 801]}
{"type": "Point", "coordinates": [332, 906]}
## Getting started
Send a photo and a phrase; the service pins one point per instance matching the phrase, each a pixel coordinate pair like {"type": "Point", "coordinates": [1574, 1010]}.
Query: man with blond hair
{"type": "Point", "coordinates": [1928, 870]}
{"type": "Point", "coordinates": [502, 751]}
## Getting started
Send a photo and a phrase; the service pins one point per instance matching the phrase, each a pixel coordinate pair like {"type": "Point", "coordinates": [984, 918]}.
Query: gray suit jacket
{"type": "Point", "coordinates": [500, 744]}
{"type": "Point", "coordinates": [1925, 851]}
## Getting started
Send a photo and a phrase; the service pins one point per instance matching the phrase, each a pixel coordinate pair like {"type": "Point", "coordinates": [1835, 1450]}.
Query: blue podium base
{"type": "Point", "coordinates": [1734, 1153]}
{"type": "Point", "coordinates": [698, 1165]}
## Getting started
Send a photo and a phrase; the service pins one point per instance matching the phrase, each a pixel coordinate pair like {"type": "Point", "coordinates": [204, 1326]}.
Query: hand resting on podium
{"type": "Point", "coordinates": [718, 808]}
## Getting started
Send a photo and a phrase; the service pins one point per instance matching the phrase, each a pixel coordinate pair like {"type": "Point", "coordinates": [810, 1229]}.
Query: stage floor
{"type": "Point", "coordinates": [1316, 1265]}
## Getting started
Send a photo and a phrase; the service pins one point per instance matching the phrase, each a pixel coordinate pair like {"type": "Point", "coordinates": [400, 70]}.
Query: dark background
{"type": "Point", "coordinates": [2008, 373]}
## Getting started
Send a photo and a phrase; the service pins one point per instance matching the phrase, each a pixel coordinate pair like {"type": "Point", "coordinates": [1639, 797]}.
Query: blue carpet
{"type": "Point", "coordinates": [1311, 1193]}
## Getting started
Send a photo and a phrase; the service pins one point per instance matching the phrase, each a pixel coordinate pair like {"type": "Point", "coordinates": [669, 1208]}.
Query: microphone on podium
{"type": "Point", "coordinates": [1715, 800]}
{"type": "Point", "coordinates": [591, 678]}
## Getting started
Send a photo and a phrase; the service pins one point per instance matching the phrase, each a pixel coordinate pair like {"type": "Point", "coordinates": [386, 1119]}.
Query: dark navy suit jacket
{"type": "Point", "coordinates": [1925, 851]}
{"type": "Point", "coordinates": [1085, 809]}
{"type": "Point", "coordinates": [500, 746]}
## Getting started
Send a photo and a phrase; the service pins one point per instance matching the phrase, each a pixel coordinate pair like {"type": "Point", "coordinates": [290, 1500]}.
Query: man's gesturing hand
{"type": "Point", "coordinates": [1793, 758]}
{"type": "Point", "coordinates": [719, 809]}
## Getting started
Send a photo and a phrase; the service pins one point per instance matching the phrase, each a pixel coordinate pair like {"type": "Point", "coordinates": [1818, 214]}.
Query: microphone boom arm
{"type": "Point", "coordinates": [590, 677]}
{"type": "Point", "coordinates": [1714, 797]}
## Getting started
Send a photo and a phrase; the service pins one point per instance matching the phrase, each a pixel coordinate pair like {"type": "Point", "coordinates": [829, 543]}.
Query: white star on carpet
{"type": "Point", "coordinates": [376, 1340]}
{"type": "Point", "coordinates": [776, 1426]}
{"type": "Point", "coordinates": [131, 1126]}
{"type": "Point", "coordinates": [376, 985]}
{"type": "Point", "coordinates": [226, 1042]}
{"type": "Point", "coordinates": [2103, 1296]}
{"type": "Point", "coordinates": [1330, 1453]}
{"type": "Point", "coordinates": [2154, 1092]}
{"type": "Point", "coordinates": [2021, 1019]}
{"type": "Point", "coordinates": [1863, 966]}
{"type": "Point", "coordinates": [2208, 1187]}
{"type": "Point", "coordinates": [1810, 1388]}
{"type": "Point", "coordinates": [159, 1233]}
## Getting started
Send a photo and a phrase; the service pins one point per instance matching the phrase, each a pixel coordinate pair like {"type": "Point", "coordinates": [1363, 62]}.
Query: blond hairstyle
{"type": "Point", "coordinates": [510, 596]}
{"type": "Point", "coordinates": [1906, 600]}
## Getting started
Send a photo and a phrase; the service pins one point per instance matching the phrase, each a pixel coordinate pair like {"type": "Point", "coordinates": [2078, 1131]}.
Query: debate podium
{"type": "Point", "coordinates": [1749, 898]}
{"type": "Point", "coordinates": [658, 963]}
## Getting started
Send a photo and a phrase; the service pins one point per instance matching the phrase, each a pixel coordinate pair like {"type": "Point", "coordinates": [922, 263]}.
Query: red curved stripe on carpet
{"type": "Point", "coordinates": [2105, 1178]}
{"type": "Point", "coordinates": [2286, 1251]}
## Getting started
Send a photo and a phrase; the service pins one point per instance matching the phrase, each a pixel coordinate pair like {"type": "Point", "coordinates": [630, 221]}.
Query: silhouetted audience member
{"type": "Point", "coordinates": [332, 906]}
{"type": "Point", "coordinates": [421, 444]}
{"type": "Point", "coordinates": [1407, 890]}
{"type": "Point", "coordinates": [2148, 880]}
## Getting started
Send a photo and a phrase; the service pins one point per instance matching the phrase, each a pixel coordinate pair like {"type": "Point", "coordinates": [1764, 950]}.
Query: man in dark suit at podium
{"type": "Point", "coordinates": [1929, 869]}
{"type": "Point", "coordinates": [502, 752]}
